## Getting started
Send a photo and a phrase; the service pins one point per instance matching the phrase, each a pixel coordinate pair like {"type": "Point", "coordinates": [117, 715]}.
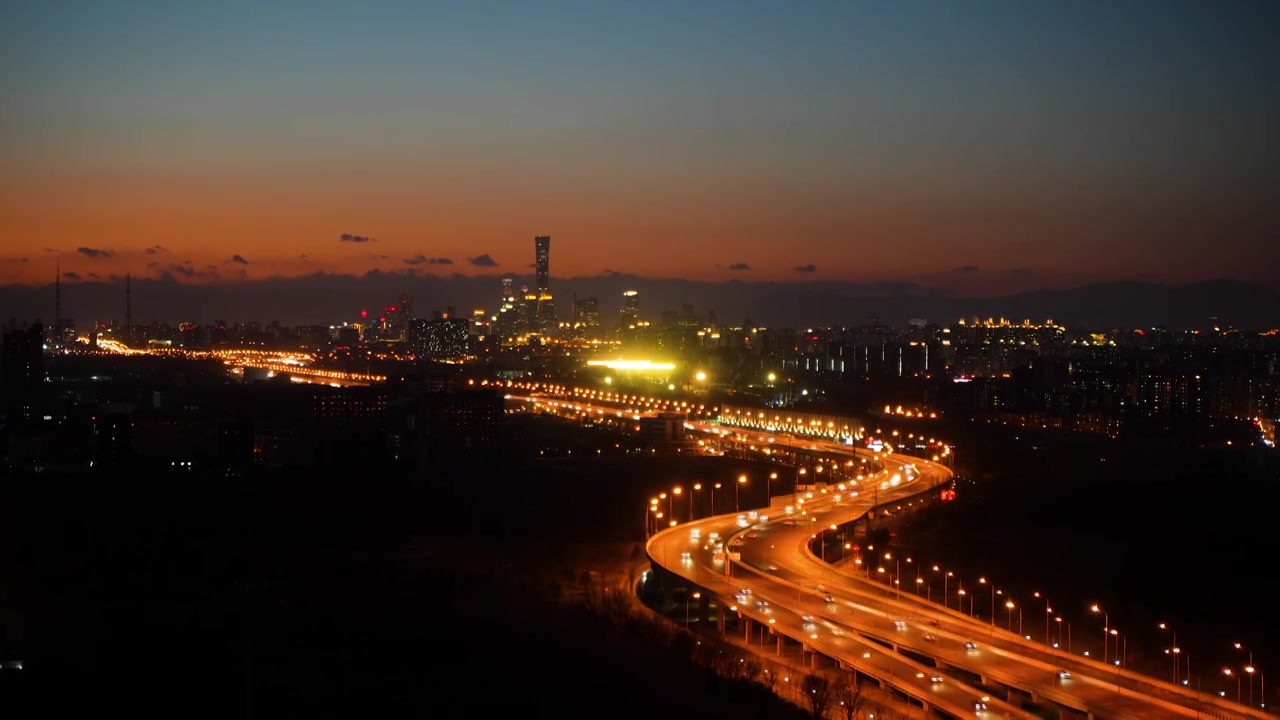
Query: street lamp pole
{"type": "Point", "coordinates": [1106, 620]}
{"type": "Point", "coordinates": [1174, 650]}
{"type": "Point", "coordinates": [1228, 673]}
{"type": "Point", "coordinates": [992, 588]}
{"type": "Point", "coordinates": [696, 487]}
{"type": "Point", "coordinates": [1249, 669]}
{"type": "Point", "coordinates": [1047, 612]}
{"type": "Point", "coordinates": [742, 480]}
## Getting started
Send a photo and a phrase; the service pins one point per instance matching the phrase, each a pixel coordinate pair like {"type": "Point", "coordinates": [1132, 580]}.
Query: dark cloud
{"type": "Point", "coordinates": [71, 275]}
{"type": "Point", "coordinates": [238, 259]}
{"type": "Point", "coordinates": [348, 237]}
{"type": "Point", "coordinates": [965, 269]}
{"type": "Point", "coordinates": [1021, 271]}
{"type": "Point", "coordinates": [183, 270]}
{"type": "Point", "coordinates": [424, 260]}
{"type": "Point", "coordinates": [115, 278]}
{"type": "Point", "coordinates": [95, 276]}
{"type": "Point", "coordinates": [153, 264]}
{"type": "Point", "coordinates": [739, 266]}
{"type": "Point", "coordinates": [94, 252]}
{"type": "Point", "coordinates": [52, 250]}
{"type": "Point", "coordinates": [303, 256]}
{"type": "Point", "coordinates": [166, 276]}
{"type": "Point", "coordinates": [806, 268]}
{"type": "Point", "coordinates": [156, 250]}
{"type": "Point", "coordinates": [380, 257]}
{"type": "Point", "coordinates": [483, 261]}
{"type": "Point", "coordinates": [458, 276]}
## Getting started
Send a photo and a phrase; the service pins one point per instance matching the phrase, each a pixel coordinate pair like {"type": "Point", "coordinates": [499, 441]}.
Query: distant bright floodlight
{"type": "Point", "coordinates": [631, 365]}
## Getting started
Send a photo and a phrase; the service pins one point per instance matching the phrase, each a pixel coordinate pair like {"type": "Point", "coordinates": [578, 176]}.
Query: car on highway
{"type": "Point", "coordinates": [807, 620]}
{"type": "Point", "coordinates": [1064, 675]}
{"type": "Point", "coordinates": [979, 706]}
{"type": "Point", "coordinates": [929, 638]}
{"type": "Point", "coordinates": [764, 605]}
{"type": "Point", "coordinates": [829, 599]}
{"type": "Point", "coordinates": [935, 679]}
{"type": "Point", "coordinates": [686, 556]}
{"type": "Point", "coordinates": [900, 624]}
{"type": "Point", "coordinates": [971, 645]}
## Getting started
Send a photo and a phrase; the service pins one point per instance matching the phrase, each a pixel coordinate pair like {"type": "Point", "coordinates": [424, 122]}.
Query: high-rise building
{"type": "Point", "coordinates": [630, 314]}
{"type": "Point", "coordinates": [506, 322]}
{"type": "Point", "coordinates": [440, 339]}
{"type": "Point", "coordinates": [22, 375]}
{"type": "Point", "coordinates": [542, 262]}
{"type": "Point", "coordinates": [586, 318]}
{"type": "Point", "coordinates": [544, 312]}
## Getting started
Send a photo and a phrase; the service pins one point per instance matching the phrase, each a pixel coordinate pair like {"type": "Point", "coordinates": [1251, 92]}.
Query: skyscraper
{"type": "Point", "coordinates": [630, 308]}
{"type": "Point", "coordinates": [542, 247]}
{"type": "Point", "coordinates": [544, 319]}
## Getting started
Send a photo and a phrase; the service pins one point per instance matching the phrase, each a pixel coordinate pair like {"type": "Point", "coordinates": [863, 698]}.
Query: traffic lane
{"type": "Point", "coordinates": [881, 602]}
{"type": "Point", "coordinates": [882, 622]}
{"type": "Point", "coordinates": [831, 640]}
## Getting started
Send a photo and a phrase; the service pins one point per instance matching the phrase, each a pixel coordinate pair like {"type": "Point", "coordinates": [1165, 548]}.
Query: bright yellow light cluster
{"type": "Point", "coordinates": [631, 365]}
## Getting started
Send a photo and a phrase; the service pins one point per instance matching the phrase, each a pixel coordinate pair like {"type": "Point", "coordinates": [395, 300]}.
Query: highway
{"type": "Point", "coordinates": [941, 658]}
{"type": "Point", "coordinates": [776, 564]}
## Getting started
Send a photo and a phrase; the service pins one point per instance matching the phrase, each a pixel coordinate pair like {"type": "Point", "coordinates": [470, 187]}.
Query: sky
{"type": "Point", "coordinates": [982, 147]}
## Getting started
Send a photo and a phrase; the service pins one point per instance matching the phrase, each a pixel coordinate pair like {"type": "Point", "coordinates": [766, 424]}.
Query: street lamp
{"type": "Point", "coordinates": [674, 492]}
{"type": "Point", "coordinates": [1047, 612]}
{"type": "Point", "coordinates": [1106, 626]}
{"type": "Point", "coordinates": [1250, 669]}
{"type": "Point", "coordinates": [983, 581]}
{"type": "Point", "coordinates": [1174, 650]}
{"type": "Point", "coordinates": [1008, 605]}
{"type": "Point", "coordinates": [772, 476]}
{"type": "Point", "coordinates": [1228, 673]}
{"type": "Point", "coordinates": [714, 488]}
{"type": "Point", "coordinates": [946, 578]}
{"type": "Point", "coordinates": [742, 480]}
{"type": "Point", "coordinates": [696, 487]}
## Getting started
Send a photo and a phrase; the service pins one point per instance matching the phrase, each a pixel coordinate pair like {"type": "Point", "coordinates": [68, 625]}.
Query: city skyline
{"type": "Point", "coordinates": [1018, 149]}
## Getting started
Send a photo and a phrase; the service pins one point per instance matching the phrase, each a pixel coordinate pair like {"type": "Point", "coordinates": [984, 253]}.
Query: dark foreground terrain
{"type": "Point", "coordinates": [298, 597]}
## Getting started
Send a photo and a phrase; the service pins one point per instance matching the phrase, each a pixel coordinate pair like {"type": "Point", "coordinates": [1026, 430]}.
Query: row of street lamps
{"type": "Point", "coordinates": [1109, 634]}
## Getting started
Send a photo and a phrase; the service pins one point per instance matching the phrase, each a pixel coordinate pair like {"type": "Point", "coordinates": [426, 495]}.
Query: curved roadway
{"type": "Point", "coordinates": [866, 624]}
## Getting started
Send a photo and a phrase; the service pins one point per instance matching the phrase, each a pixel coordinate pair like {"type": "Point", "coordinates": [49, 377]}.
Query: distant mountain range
{"type": "Point", "coordinates": [329, 299]}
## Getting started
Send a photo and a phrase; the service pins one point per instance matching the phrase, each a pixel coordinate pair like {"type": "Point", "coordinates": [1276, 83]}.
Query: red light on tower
{"type": "Point", "coordinates": [364, 313]}
{"type": "Point", "coordinates": [948, 494]}
{"type": "Point", "coordinates": [382, 319]}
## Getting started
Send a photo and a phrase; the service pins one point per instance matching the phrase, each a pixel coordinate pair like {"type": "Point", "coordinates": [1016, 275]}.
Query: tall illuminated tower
{"type": "Point", "coordinates": [542, 248]}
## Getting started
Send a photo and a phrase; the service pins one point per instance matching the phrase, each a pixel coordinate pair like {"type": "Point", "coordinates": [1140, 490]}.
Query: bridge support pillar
{"type": "Point", "coordinates": [720, 621]}
{"type": "Point", "coordinates": [780, 639]}
{"type": "Point", "coordinates": [883, 685]}
{"type": "Point", "coordinates": [704, 608]}
{"type": "Point", "coordinates": [939, 664]}
{"type": "Point", "coordinates": [746, 628]}
{"type": "Point", "coordinates": [1013, 698]}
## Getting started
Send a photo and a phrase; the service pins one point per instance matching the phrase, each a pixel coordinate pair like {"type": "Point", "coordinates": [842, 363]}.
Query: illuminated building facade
{"type": "Point", "coordinates": [630, 314]}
